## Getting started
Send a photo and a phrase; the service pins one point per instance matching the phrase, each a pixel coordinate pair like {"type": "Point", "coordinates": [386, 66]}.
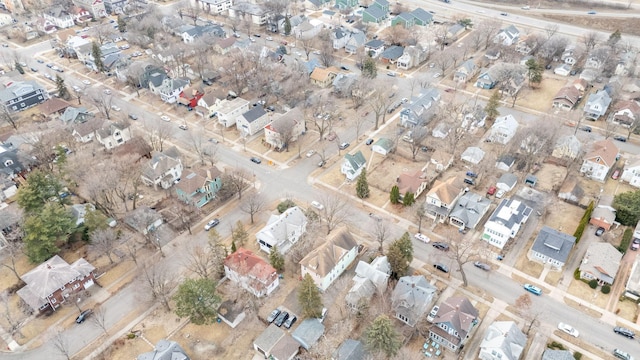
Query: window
{"type": "Point", "coordinates": [76, 286]}
{"type": "Point", "coordinates": [8, 163]}
{"type": "Point", "coordinates": [53, 300]}
{"type": "Point", "coordinates": [62, 287]}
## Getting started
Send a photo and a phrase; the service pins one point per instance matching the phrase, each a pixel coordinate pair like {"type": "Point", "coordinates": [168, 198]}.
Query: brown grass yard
{"type": "Point", "coordinates": [587, 294]}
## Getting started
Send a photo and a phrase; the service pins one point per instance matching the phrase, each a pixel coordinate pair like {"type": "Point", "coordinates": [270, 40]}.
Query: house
{"type": "Point", "coordinates": [601, 262]}
{"type": "Point", "coordinates": [597, 163]}
{"type": "Point", "coordinates": [113, 134]}
{"type": "Point", "coordinates": [224, 45]}
{"type": "Point", "coordinates": [530, 180]}
{"type": "Point", "coordinates": [469, 210]}
{"type": "Point", "coordinates": [355, 42]}
{"type": "Point", "coordinates": [563, 70]}
{"type": "Point", "coordinates": [404, 19]}
{"type": "Point", "coordinates": [505, 222]}
{"type": "Point", "coordinates": [49, 284]}
{"type": "Point", "coordinates": [76, 115]}
{"type": "Point", "coordinates": [163, 169]}
{"type": "Point", "coordinates": [442, 197]}
{"type": "Point", "coordinates": [374, 48]}
{"type": "Point", "coordinates": [217, 6]}
{"type": "Point", "coordinates": [603, 216]}
{"type": "Point", "coordinates": [13, 161]}
{"type": "Point", "coordinates": [582, 85]}
{"type": "Point", "coordinates": [454, 323]}
{"type": "Point", "coordinates": [632, 287]}
{"type": "Point", "coordinates": [274, 343]}
{"type": "Point", "coordinates": [411, 298]}
{"type": "Point", "coordinates": [144, 220]}
{"type": "Point", "coordinates": [465, 71]}
{"type": "Point", "coordinates": [339, 37]}
{"type": "Point", "coordinates": [453, 32]}
{"type": "Point", "coordinates": [570, 191]}
{"type": "Point", "coordinates": [209, 103]}
{"type": "Point", "coordinates": [84, 132]}
{"type": "Point", "coordinates": [552, 247]}
{"type": "Point", "coordinates": [21, 95]}
{"type": "Point", "coordinates": [95, 7]}
{"type": "Point", "coordinates": [189, 96]}
{"type": "Point", "coordinates": [165, 350]}
{"type": "Point", "coordinates": [350, 350]}
{"type": "Point", "coordinates": [377, 12]}
{"type": "Point", "coordinates": [422, 17]}
{"type": "Point", "coordinates": [567, 146]}
{"type": "Point", "coordinates": [507, 182]}
{"type": "Point", "coordinates": [505, 162]}
{"type": "Point", "coordinates": [503, 340]}
{"type": "Point", "coordinates": [282, 230]}
{"type": "Point", "coordinates": [253, 121]}
{"type": "Point", "coordinates": [229, 110]}
{"type": "Point", "coordinates": [416, 112]}
{"type": "Point", "coordinates": [412, 182]}
{"type": "Point", "coordinates": [472, 155]}
{"type": "Point", "coordinates": [566, 98]}
{"type": "Point", "coordinates": [557, 355]}
{"type": "Point", "coordinates": [59, 17]}
{"type": "Point", "coordinates": [285, 129]}
{"type": "Point", "coordinates": [412, 56]}
{"type": "Point", "coordinates": [255, 13]}
{"type": "Point", "coordinates": [323, 77]}
{"type": "Point", "coordinates": [369, 279]}
{"type": "Point", "coordinates": [487, 79]}
{"type": "Point", "coordinates": [383, 146]}
{"type": "Point", "coordinates": [308, 28]}
{"type": "Point", "coordinates": [352, 165]}
{"type": "Point", "coordinates": [171, 89]}
{"type": "Point", "coordinates": [504, 129]}
{"type": "Point", "coordinates": [597, 105]}
{"type": "Point", "coordinates": [199, 187]}
{"type": "Point", "coordinates": [441, 159]}
{"type": "Point", "coordinates": [441, 130]}
{"type": "Point", "coordinates": [53, 108]}
{"type": "Point", "coordinates": [626, 113]}
{"type": "Point", "coordinates": [391, 54]}
{"type": "Point", "coordinates": [308, 333]}
{"type": "Point", "coordinates": [492, 54]}
{"type": "Point", "coordinates": [191, 33]}
{"type": "Point", "coordinates": [251, 272]}
{"type": "Point", "coordinates": [631, 172]}
{"type": "Point", "coordinates": [231, 313]}
{"type": "Point", "coordinates": [507, 36]}
{"type": "Point", "coordinates": [346, 4]}
{"type": "Point", "coordinates": [326, 262]}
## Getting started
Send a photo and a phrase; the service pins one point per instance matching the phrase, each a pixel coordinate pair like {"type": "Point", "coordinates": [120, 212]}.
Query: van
{"type": "Point", "coordinates": [469, 181]}
{"type": "Point", "coordinates": [622, 355]}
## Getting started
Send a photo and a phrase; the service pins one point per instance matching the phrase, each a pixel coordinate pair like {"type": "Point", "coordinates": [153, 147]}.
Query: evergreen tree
{"type": "Point", "coordinates": [197, 300]}
{"type": "Point", "coordinates": [406, 247]}
{"type": "Point", "coordinates": [614, 38]}
{"type": "Point", "coordinates": [287, 26]}
{"type": "Point", "coordinates": [45, 230]}
{"type": "Point", "coordinates": [492, 106]}
{"type": "Point", "coordinates": [382, 337]}
{"type": "Point", "coordinates": [394, 196]}
{"type": "Point", "coordinates": [362, 186]}
{"type": "Point", "coordinates": [534, 71]}
{"type": "Point", "coordinates": [369, 68]}
{"type": "Point", "coordinates": [122, 25]}
{"type": "Point", "coordinates": [309, 298]}
{"type": "Point", "coordinates": [233, 246]}
{"type": "Point", "coordinates": [467, 23]}
{"type": "Point", "coordinates": [97, 56]}
{"type": "Point", "coordinates": [39, 189]}
{"type": "Point", "coordinates": [627, 205]}
{"type": "Point", "coordinates": [63, 92]}
{"type": "Point", "coordinates": [239, 234]}
{"type": "Point", "coordinates": [408, 199]}
{"type": "Point", "coordinates": [276, 259]}
{"type": "Point", "coordinates": [400, 255]}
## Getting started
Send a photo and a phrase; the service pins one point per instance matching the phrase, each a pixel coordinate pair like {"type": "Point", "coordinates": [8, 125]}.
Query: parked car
{"type": "Point", "coordinates": [433, 313]}
{"type": "Point", "coordinates": [211, 224]}
{"type": "Point", "coordinates": [492, 190]}
{"type": "Point", "coordinates": [344, 145]}
{"type": "Point", "coordinates": [500, 194]}
{"type": "Point", "coordinates": [469, 181]}
{"type": "Point", "coordinates": [281, 318]}
{"type": "Point", "coordinates": [183, 127]}
{"type": "Point", "coordinates": [255, 160]}
{"type": "Point", "coordinates": [635, 245]}
{"type": "Point", "coordinates": [274, 314]}
{"type": "Point", "coordinates": [368, 142]}
{"type": "Point", "coordinates": [421, 237]}
{"type": "Point", "coordinates": [568, 329]}
{"type": "Point", "coordinates": [600, 231]}
{"type": "Point", "coordinates": [586, 128]}
{"type": "Point", "coordinates": [481, 265]}
{"type": "Point", "coordinates": [441, 267]}
{"type": "Point", "coordinates": [83, 316]}
{"type": "Point", "coordinates": [86, 82]}
{"type": "Point", "coordinates": [133, 117]}
{"type": "Point", "coordinates": [323, 315]}
{"type": "Point", "coordinates": [391, 73]}
{"type": "Point", "coordinates": [624, 332]}
{"type": "Point", "coordinates": [620, 138]}
{"type": "Point", "coordinates": [436, 75]}
{"type": "Point", "coordinates": [441, 246]}
{"type": "Point", "coordinates": [332, 136]}
{"type": "Point", "coordinates": [317, 205]}
{"type": "Point", "coordinates": [34, 69]}
{"type": "Point", "coordinates": [533, 289]}
{"type": "Point", "coordinates": [310, 153]}
{"type": "Point", "coordinates": [615, 175]}
{"type": "Point", "coordinates": [290, 321]}
{"type": "Point", "coordinates": [115, 108]}
{"type": "Point", "coordinates": [165, 118]}
{"type": "Point", "coordinates": [321, 163]}
{"type": "Point", "coordinates": [591, 13]}
{"type": "Point", "coordinates": [622, 354]}
{"type": "Point", "coordinates": [504, 14]}
{"type": "Point", "coordinates": [107, 91]}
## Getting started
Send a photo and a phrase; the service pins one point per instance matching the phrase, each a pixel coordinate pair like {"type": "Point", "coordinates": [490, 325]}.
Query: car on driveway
{"type": "Point", "coordinates": [492, 190]}
{"type": "Point", "coordinates": [83, 316]}
{"type": "Point", "coordinates": [368, 142]}
{"type": "Point", "coordinates": [255, 160]}
{"type": "Point", "coordinates": [422, 237]}
{"type": "Point", "coordinates": [624, 332]}
{"type": "Point", "coordinates": [50, 65]}
{"type": "Point", "coordinates": [615, 175]}
{"type": "Point", "coordinates": [533, 289]}
{"type": "Point", "coordinates": [433, 313]}
{"type": "Point", "coordinates": [165, 118]}
{"type": "Point", "coordinates": [481, 265]}
{"type": "Point", "coordinates": [568, 329]}
{"type": "Point", "coordinates": [274, 314]}
{"type": "Point", "coordinates": [441, 246]}
{"type": "Point", "coordinates": [437, 75]}
{"type": "Point", "coordinates": [600, 231]}
{"type": "Point", "coordinates": [211, 224]}
{"type": "Point", "coordinates": [317, 205]}
{"type": "Point", "coordinates": [281, 318]}
{"type": "Point", "coordinates": [290, 321]}
{"type": "Point", "coordinates": [441, 267]}
{"type": "Point", "coordinates": [635, 244]}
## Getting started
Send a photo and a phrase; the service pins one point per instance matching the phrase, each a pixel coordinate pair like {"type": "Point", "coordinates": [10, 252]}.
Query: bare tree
{"type": "Point", "coordinates": [465, 249]}
{"type": "Point", "coordinates": [525, 308]}
{"type": "Point", "coordinates": [285, 127]}
{"type": "Point", "coordinates": [379, 101]}
{"type": "Point", "coordinates": [158, 133]}
{"type": "Point", "coordinates": [487, 29]}
{"type": "Point", "coordinates": [9, 117]}
{"type": "Point", "coordinates": [99, 318]}
{"type": "Point", "coordinates": [610, 129]}
{"type": "Point", "coordinates": [320, 116]}
{"type": "Point", "coordinates": [443, 62]}
{"type": "Point", "coordinates": [381, 233]}
{"type": "Point", "coordinates": [13, 324]}
{"type": "Point", "coordinates": [551, 30]}
{"type": "Point", "coordinates": [102, 32]}
{"type": "Point", "coordinates": [308, 46]}
{"type": "Point", "coordinates": [326, 56]}
{"type": "Point", "coordinates": [103, 102]}
{"type": "Point", "coordinates": [253, 204]}
{"type": "Point", "coordinates": [419, 213]}
{"type": "Point", "coordinates": [11, 252]}
{"type": "Point", "coordinates": [591, 39]}
{"type": "Point", "coordinates": [206, 262]}
{"type": "Point", "coordinates": [132, 250]}
{"type": "Point", "coordinates": [396, 35]}
{"type": "Point", "coordinates": [418, 135]}
{"type": "Point", "coordinates": [335, 213]}
{"type": "Point", "coordinates": [535, 143]}
{"type": "Point", "coordinates": [159, 284]}
{"type": "Point", "coordinates": [104, 241]}
{"type": "Point", "coordinates": [61, 343]}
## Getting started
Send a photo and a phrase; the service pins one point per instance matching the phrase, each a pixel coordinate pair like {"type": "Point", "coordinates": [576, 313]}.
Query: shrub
{"type": "Point", "coordinates": [283, 206]}
{"type": "Point", "coordinates": [593, 283]}
{"type": "Point", "coordinates": [555, 346]}
{"type": "Point", "coordinates": [626, 240]}
{"type": "Point", "coordinates": [583, 222]}
{"type": "Point", "coordinates": [576, 273]}
{"type": "Point", "coordinates": [577, 355]}
{"type": "Point", "coordinates": [606, 289]}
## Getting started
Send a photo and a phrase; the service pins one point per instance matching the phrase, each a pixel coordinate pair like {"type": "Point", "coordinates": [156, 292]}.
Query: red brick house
{"type": "Point", "coordinates": [50, 283]}
{"type": "Point", "coordinates": [252, 272]}
{"type": "Point", "coordinates": [190, 96]}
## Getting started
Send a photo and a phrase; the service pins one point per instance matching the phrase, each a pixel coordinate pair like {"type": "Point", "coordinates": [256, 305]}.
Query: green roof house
{"type": "Point", "coordinates": [199, 187]}
{"type": "Point", "coordinates": [353, 165]}
{"type": "Point", "coordinates": [346, 4]}
{"type": "Point", "coordinates": [405, 19]}
{"type": "Point", "coordinates": [376, 12]}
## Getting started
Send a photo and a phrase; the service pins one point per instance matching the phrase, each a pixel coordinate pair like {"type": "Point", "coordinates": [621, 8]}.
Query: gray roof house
{"type": "Point", "coordinates": [597, 105]}
{"type": "Point", "coordinates": [632, 288]}
{"type": "Point", "coordinates": [507, 36]}
{"type": "Point", "coordinates": [391, 54]}
{"type": "Point", "coordinates": [416, 112]}
{"type": "Point", "coordinates": [552, 247]}
{"type": "Point", "coordinates": [355, 42]}
{"type": "Point", "coordinates": [163, 169]}
{"type": "Point", "coordinates": [567, 146]}
{"type": "Point", "coordinates": [21, 95]}
{"type": "Point", "coordinates": [350, 350]}
{"type": "Point", "coordinates": [253, 121]}
{"type": "Point", "coordinates": [472, 155]}
{"type": "Point", "coordinates": [465, 71]}
{"type": "Point", "coordinates": [143, 219]}
{"type": "Point", "coordinates": [308, 333]}
{"type": "Point", "coordinates": [507, 182]}
{"type": "Point", "coordinates": [368, 279]}
{"type": "Point", "coordinates": [282, 230]}
{"type": "Point", "coordinates": [469, 209]}
{"type": "Point", "coordinates": [502, 340]}
{"type": "Point", "coordinates": [411, 298]}
{"type": "Point", "coordinates": [275, 343]}
{"type": "Point", "coordinates": [601, 262]}
{"type": "Point", "coordinates": [422, 17]}
{"type": "Point", "coordinates": [374, 48]}
{"type": "Point", "coordinates": [505, 162]}
{"type": "Point", "coordinates": [503, 129]}
{"type": "Point", "coordinates": [454, 322]}
{"type": "Point", "coordinates": [352, 165]}
{"type": "Point", "coordinates": [165, 350]}
{"type": "Point", "coordinates": [75, 115]}
{"type": "Point", "coordinates": [550, 354]}
{"type": "Point", "coordinates": [383, 146]}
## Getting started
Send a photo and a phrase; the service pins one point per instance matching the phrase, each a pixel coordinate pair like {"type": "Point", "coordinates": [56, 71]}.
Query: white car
{"type": "Point", "coordinates": [310, 153]}
{"type": "Point", "coordinates": [437, 75]}
{"type": "Point", "coordinates": [317, 205]}
{"type": "Point", "coordinates": [433, 313]}
{"type": "Point", "coordinates": [107, 91]}
{"type": "Point", "coordinates": [269, 38]}
{"type": "Point", "coordinates": [421, 237]}
{"type": "Point", "coordinates": [500, 194]}
{"type": "Point", "coordinates": [165, 118]}
{"type": "Point", "coordinates": [86, 82]}
{"type": "Point", "coordinates": [568, 329]}
{"type": "Point", "coordinates": [115, 108]}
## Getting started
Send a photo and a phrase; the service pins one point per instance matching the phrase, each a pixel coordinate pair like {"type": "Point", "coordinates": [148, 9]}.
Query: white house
{"type": "Point", "coordinates": [253, 121]}
{"type": "Point", "coordinates": [163, 169]}
{"type": "Point", "coordinates": [251, 272]}
{"type": "Point", "coordinates": [229, 110]}
{"type": "Point", "coordinates": [503, 340]}
{"type": "Point", "coordinates": [507, 182]}
{"type": "Point", "coordinates": [505, 222]}
{"type": "Point", "coordinates": [503, 130]}
{"type": "Point", "coordinates": [631, 173]}
{"type": "Point", "coordinates": [507, 36]}
{"type": "Point", "coordinates": [284, 129]}
{"type": "Point", "coordinates": [352, 165]}
{"type": "Point", "coordinates": [563, 70]}
{"type": "Point", "coordinates": [209, 103]}
{"type": "Point", "coordinates": [383, 146]}
{"type": "Point", "coordinates": [113, 134]}
{"type": "Point", "coordinates": [282, 230]}
{"type": "Point", "coordinates": [552, 247]}
{"type": "Point", "coordinates": [597, 105]}
{"type": "Point", "coordinates": [598, 162]}
{"type": "Point", "coordinates": [247, 11]}
{"type": "Point", "coordinates": [326, 262]}
{"type": "Point", "coordinates": [369, 279]}
{"type": "Point", "coordinates": [171, 89]}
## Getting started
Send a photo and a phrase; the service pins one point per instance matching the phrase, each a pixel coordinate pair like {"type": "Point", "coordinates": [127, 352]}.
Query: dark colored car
{"type": "Point", "coordinates": [369, 142]}
{"type": "Point", "coordinates": [83, 316]}
{"type": "Point", "coordinates": [441, 267]}
{"type": "Point", "coordinates": [600, 231]}
{"type": "Point", "coordinates": [620, 138]}
{"type": "Point", "coordinates": [586, 128]}
{"type": "Point", "coordinates": [281, 318]}
{"type": "Point", "coordinates": [624, 332]}
{"type": "Point", "coordinates": [472, 174]}
{"type": "Point", "coordinates": [133, 117]}
{"type": "Point", "coordinates": [256, 160]}
{"type": "Point", "coordinates": [469, 181]}
{"type": "Point", "coordinates": [441, 246]}
{"type": "Point", "coordinates": [481, 265]}
{"type": "Point", "coordinates": [274, 314]}
{"type": "Point", "coordinates": [290, 321]}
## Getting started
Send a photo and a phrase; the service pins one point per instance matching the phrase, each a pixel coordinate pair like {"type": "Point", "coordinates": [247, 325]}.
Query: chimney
{"type": "Point", "coordinates": [209, 174]}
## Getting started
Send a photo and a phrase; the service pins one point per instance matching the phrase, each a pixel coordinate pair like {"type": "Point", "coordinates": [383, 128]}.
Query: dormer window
{"type": "Point", "coordinates": [8, 163]}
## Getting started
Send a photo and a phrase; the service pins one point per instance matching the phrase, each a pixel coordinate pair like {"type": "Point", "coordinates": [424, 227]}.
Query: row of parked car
{"type": "Point", "coordinates": [281, 318]}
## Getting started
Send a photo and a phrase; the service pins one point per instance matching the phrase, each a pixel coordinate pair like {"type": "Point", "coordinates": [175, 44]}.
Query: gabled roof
{"type": "Point", "coordinates": [53, 105]}
{"type": "Point", "coordinates": [603, 152]}
{"type": "Point", "coordinates": [550, 354]}
{"type": "Point", "coordinates": [350, 350]}
{"type": "Point", "coordinates": [308, 332]}
{"type": "Point", "coordinates": [473, 154]}
{"type": "Point", "coordinates": [246, 263]}
{"type": "Point", "coordinates": [374, 44]}
{"type": "Point", "coordinates": [195, 180]}
{"type": "Point", "coordinates": [375, 12]}
{"type": "Point", "coordinates": [506, 337]}
{"type": "Point", "coordinates": [326, 256]}
{"type": "Point", "coordinates": [508, 179]}
{"type": "Point", "coordinates": [446, 191]}
{"type": "Point", "coordinates": [422, 15]}
{"type": "Point", "coordinates": [392, 53]}
{"type": "Point", "coordinates": [510, 212]}
{"type": "Point", "coordinates": [165, 350]}
{"type": "Point", "coordinates": [321, 74]}
{"type": "Point", "coordinates": [458, 313]}
{"type": "Point", "coordinates": [470, 208]}
{"type": "Point", "coordinates": [161, 162]}
{"type": "Point", "coordinates": [600, 98]}
{"type": "Point", "coordinates": [569, 93]}
{"type": "Point", "coordinates": [602, 260]}
{"type": "Point", "coordinates": [254, 114]}
{"type": "Point", "coordinates": [411, 297]}
{"type": "Point", "coordinates": [411, 181]}
{"type": "Point", "coordinates": [385, 143]}
{"type": "Point", "coordinates": [278, 228]}
{"type": "Point", "coordinates": [356, 161]}
{"type": "Point", "coordinates": [553, 244]}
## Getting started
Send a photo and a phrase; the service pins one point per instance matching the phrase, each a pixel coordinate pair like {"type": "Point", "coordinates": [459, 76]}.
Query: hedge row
{"type": "Point", "coordinates": [626, 240]}
{"type": "Point", "coordinates": [583, 222]}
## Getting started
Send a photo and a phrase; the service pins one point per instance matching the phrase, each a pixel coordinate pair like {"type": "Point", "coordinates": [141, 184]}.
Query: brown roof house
{"type": "Point", "coordinates": [251, 272]}
{"type": "Point", "coordinates": [601, 262]}
{"type": "Point", "coordinates": [53, 108]}
{"type": "Point", "coordinates": [412, 182]}
{"type": "Point", "coordinates": [454, 323]}
{"type": "Point", "coordinates": [626, 113]}
{"type": "Point", "coordinates": [566, 98]}
{"type": "Point", "coordinates": [50, 283]}
{"type": "Point", "coordinates": [323, 77]}
{"type": "Point", "coordinates": [599, 161]}
{"type": "Point", "coordinates": [442, 197]}
{"type": "Point", "coordinates": [200, 186]}
{"type": "Point", "coordinates": [326, 262]}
